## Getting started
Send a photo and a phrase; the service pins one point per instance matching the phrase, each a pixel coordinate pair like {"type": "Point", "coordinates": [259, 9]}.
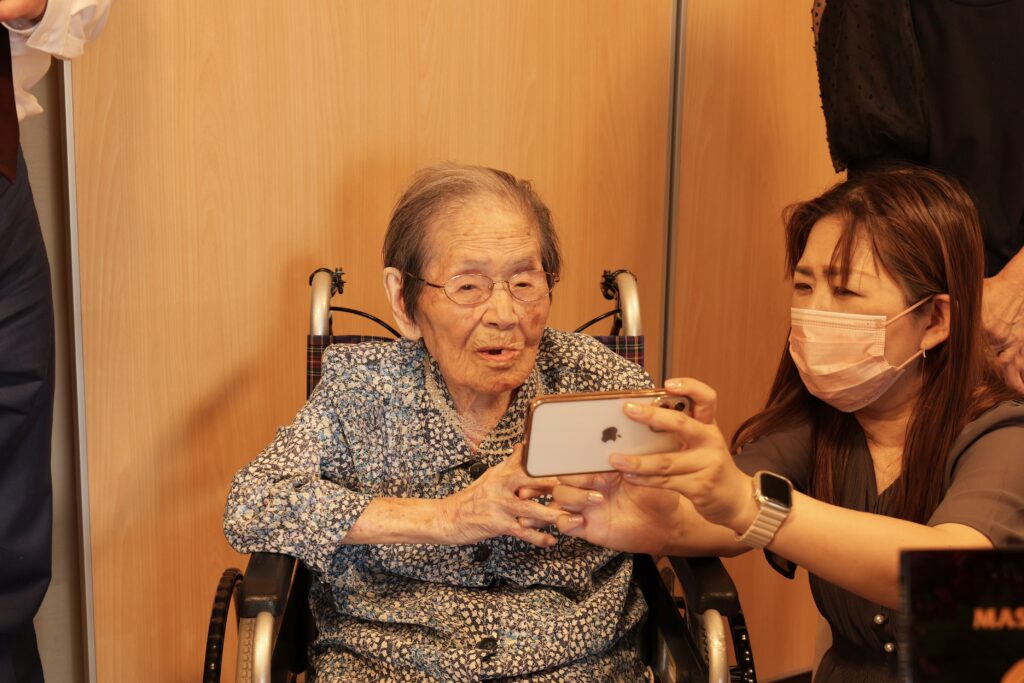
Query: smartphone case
{"type": "Point", "coordinates": [576, 433]}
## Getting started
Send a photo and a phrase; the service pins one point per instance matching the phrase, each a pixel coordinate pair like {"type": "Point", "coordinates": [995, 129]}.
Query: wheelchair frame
{"type": "Point", "coordinates": [271, 598]}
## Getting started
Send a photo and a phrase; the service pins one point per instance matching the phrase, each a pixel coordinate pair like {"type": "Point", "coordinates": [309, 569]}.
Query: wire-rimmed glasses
{"type": "Point", "coordinates": [474, 288]}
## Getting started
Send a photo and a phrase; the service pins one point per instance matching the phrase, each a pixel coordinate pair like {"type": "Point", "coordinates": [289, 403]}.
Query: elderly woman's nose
{"type": "Point", "coordinates": [501, 308]}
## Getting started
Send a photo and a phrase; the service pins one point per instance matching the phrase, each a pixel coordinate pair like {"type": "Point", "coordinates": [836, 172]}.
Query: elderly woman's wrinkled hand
{"type": "Point", "coordinates": [492, 506]}
{"type": "Point", "coordinates": [702, 469]}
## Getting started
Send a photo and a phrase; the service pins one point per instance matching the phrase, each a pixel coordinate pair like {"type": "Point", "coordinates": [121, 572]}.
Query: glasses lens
{"type": "Point", "coordinates": [468, 289]}
{"type": "Point", "coordinates": [529, 286]}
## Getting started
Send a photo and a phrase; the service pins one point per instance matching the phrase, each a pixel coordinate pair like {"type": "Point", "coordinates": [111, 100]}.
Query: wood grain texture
{"type": "Point", "coordinates": [225, 150]}
{"type": "Point", "coordinates": [753, 141]}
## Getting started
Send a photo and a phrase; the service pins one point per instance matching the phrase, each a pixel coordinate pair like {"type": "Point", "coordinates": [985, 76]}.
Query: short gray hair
{"type": "Point", "coordinates": [439, 190]}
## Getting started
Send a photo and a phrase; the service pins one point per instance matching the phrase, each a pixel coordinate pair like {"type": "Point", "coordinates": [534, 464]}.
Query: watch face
{"type": "Point", "coordinates": [776, 488]}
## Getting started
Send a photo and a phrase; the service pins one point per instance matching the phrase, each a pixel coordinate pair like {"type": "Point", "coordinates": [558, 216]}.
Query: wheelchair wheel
{"type": "Point", "coordinates": [227, 591]}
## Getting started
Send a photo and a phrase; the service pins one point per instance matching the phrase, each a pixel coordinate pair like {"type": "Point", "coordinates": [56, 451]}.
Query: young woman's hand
{"type": "Point", "coordinates": [702, 470]}
{"type": "Point", "coordinates": [608, 511]}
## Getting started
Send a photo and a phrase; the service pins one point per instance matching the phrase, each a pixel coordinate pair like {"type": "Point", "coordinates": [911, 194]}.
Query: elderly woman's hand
{"type": "Point", "coordinates": [702, 469]}
{"type": "Point", "coordinates": [493, 506]}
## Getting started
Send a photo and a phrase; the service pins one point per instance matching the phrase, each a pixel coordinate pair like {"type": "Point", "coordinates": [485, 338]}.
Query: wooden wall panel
{"type": "Point", "coordinates": [753, 141]}
{"type": "Point", "coordinates": [224, 150]}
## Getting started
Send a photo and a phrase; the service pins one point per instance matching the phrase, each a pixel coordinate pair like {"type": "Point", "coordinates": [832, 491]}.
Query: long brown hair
{"type": "Point", "coordinates": [924, 231]}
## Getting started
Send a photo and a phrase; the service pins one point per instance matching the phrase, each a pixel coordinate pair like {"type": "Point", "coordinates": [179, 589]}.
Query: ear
{"type": "Point", "coordinates": [393, 281]}
{"type": "Point", "coordinates": [938, 323]}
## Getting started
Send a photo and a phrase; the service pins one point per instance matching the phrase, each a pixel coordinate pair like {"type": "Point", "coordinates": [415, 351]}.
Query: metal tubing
{"type": "Point", "coordinates": [320, 304]}
{"type": "Point", "coordinates": [262, 647]}
{"type": "Point", "coordinates": [717, 654]}
{"type": "Point", "coordinates": [629, 302]}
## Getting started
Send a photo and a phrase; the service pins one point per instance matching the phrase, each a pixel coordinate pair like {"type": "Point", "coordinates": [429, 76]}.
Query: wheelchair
{"type": "Point", "coordinates": [689, 599]}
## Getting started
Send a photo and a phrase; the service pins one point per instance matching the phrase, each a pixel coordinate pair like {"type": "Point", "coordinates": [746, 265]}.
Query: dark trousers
{"type": "Point", "coordinates": [26, 420]}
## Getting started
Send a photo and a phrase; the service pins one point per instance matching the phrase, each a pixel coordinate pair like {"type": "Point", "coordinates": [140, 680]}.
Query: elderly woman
{"type": "Point", "coordinates": [399, 482]}
{"type": "Point", "coordinates": [888, 427]}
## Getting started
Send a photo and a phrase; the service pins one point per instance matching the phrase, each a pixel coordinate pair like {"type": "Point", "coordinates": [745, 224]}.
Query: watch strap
{"type": "Point", "coordinates": [770, 517]}
{"type": "Point", "coordinates": [764, 527]}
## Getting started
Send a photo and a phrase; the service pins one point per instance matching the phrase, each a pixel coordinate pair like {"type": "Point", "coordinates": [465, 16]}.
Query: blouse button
{"type": "Point", "coordinates": [881, 618]}
{"type": "Point", "coordinates": [476, 468]}
{"type": "Point", "coordinates": [488, 644]}
{"type": "Point", "coordinates": [889, 647]}
{"type": "Point", "coordinates": [481, 553]}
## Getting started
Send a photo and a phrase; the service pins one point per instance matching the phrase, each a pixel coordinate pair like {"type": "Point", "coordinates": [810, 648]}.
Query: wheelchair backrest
{"type": "Point", "coordinates": [619, 285]}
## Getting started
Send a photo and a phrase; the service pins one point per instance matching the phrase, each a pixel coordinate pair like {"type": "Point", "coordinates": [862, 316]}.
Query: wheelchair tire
{"type": "Point", "coordinates": [227, 590]}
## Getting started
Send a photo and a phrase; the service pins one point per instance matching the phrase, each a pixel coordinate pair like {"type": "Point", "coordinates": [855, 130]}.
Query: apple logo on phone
{"type": "Point", "coordinates": [610, 434]}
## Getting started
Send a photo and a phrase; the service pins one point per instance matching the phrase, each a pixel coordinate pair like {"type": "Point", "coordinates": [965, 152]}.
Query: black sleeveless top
{"type": "Point", "coordinates": [936, 83]}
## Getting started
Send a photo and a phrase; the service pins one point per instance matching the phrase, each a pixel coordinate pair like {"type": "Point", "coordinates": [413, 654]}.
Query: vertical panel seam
{"type": "Point", "coordinates": [78, 388]}
{"type": "Point", "coordinates": [675, 143]}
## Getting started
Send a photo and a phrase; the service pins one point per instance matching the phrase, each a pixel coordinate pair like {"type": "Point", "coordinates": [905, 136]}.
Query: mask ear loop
{"type": "Point", "coordinates": [900, 315]}
{"type": "Point", "coordinates": [921, 352]}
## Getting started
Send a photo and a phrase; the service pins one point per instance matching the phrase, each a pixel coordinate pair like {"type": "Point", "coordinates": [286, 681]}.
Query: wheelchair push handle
{"type": "Point", "coordinates": [621, 286]}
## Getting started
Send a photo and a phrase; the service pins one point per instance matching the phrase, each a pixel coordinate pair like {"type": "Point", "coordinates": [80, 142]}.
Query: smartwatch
{"type": "Point", "coordinates": [774, 496]}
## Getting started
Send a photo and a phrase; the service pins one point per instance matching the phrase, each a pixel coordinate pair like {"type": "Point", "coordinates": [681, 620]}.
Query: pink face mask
{"type": "Point", "coordinates": [841, 356]}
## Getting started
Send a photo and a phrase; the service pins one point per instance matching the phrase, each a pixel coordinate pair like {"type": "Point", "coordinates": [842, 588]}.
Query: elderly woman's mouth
{"type": "Point", "coordinates": [498, 354]}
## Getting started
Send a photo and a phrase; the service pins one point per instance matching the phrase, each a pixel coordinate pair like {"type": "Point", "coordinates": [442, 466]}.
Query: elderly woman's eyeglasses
{"type": "Point", "coordinates": [472, 289]}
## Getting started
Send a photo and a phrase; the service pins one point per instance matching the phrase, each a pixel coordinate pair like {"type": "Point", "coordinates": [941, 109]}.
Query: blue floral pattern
{"type": "Point", "coordinates": [500, 609]}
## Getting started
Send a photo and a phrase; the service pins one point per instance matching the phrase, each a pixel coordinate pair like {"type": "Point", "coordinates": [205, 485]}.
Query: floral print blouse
{"type": "Point", "coordinates": [500, 609]}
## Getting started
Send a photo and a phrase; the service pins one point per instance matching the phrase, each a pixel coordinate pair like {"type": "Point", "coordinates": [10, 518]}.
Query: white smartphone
{"type": "Point", "coordinates": [576, 433]}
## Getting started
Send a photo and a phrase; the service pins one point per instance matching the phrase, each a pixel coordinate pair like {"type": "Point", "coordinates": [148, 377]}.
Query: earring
{"type": "Point", "coordinates": [924, 353]}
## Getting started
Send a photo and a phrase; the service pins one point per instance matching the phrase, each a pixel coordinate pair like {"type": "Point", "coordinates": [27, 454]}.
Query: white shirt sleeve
{"type": "Point", "coordinates": [61, 32]}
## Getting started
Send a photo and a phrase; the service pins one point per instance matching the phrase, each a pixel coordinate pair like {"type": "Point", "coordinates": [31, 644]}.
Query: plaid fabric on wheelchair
{"type": "Point", "coordinates": [315, 345]}
{"type": "Point", "coordinates": [630, 348]}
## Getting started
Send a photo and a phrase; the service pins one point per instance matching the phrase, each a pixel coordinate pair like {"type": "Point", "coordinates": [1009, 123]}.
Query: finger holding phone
{"type": "Point", "coordinates": [606, 510]}
{"type": "Point", "coordinates": [702, 470]}
{"type": "Point", "coordinates": [491, 506]}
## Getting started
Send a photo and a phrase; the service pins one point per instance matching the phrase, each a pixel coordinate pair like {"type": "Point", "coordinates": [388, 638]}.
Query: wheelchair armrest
{"type": "Point", "coordinates": [265, 586]}
{"type": "Point", "coordinates": [706, 585]}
